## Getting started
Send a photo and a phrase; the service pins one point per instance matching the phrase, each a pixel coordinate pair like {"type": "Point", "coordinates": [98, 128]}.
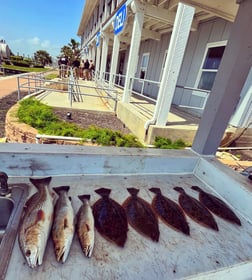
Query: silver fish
{"type": "Point", "coordinates": [85, 226]}
{"type": "Point", "coordinates": [36, 224]}
{"type": "Point", "coordinates": [63, 224]}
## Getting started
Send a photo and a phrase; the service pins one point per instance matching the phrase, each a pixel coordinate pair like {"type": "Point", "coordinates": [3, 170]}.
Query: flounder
{"type": "Point", "coordinates": [140, 215]}
{"type": "Point", "coordinates": [110, 218]}
{"type": "Point", "coordinates": [217, 206]}
{"type": "Point", "coordinates": [169, 212]}
{"type": "Point", "coordinates": [196, 210]}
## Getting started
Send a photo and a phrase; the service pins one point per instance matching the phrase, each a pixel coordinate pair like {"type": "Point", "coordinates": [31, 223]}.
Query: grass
{"type": "Point", "coordinates": [41, 117]}
{"type": "Point", "coordinates": [25, 69]}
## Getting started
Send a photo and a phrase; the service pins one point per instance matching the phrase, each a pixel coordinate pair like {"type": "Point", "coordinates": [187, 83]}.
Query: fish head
{"type": "Point", "coordinates": [62, 249]}
{"type": "Point", "coordinates": [31, 253]}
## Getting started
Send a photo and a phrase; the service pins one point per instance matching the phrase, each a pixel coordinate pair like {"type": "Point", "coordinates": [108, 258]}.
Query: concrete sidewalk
{"type": "Point", "coordinates": [8, 85]}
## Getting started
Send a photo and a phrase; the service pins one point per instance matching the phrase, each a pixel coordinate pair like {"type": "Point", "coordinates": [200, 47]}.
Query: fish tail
{"type": "Point", "coordinates": [41, 181]}
{"type": "Point", "coordinates": [84, 197]}
{"type": "Point", "coordinates": [179, 189]}
{"type": "Point", "coordinates": [155, 190]}
{"type": "Point", "coordinates": [104, 192]}
{"type": "Point", "coordinates": [133, 191]}
{"type": "Point", "coordinates": [61, 189]}
{"type": "Point", "coordinates": [196, 188]}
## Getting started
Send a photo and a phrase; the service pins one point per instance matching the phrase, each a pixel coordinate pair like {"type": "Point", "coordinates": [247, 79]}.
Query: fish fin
{"type": "Point", "coordinates": [104, 192]}
{"type": "Point", "coordinates": [133, 191]}
{"type": "Point", "coordinates": [84, 197]}
{"type": "Point", "coordinates": [155, 190]}
{"type": "Point", "coordinates": [41, 181]}
{"type": "Point", "coordinates": [61, 188]}
{"type": "Point", "coordinates": [180, 190]}
{"type": "Point", "coordinates": [196, 188]}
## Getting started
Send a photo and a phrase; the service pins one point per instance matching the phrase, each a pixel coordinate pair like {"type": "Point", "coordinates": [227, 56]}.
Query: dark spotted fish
{"type": "Point", "coordinates": [110, 218]}
{"type": "Point", "coordinates": [169, 212]}
{"type": "Point", "coordinates": [196, 210]}
{"type": "Point", "coordinates": [217, 206]}
{"type": "Point", "coordinates": [140, 215]}
{"type": "Point", "coordinates": [85, 226]}
{"type": "Point", "coordinates": [36, 224]}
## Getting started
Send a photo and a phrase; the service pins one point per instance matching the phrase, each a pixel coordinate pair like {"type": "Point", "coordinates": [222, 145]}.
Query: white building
{"type": "Point", "coordinates": [167, 50]}
{"type": "Point", "coordinates": [4, 50]}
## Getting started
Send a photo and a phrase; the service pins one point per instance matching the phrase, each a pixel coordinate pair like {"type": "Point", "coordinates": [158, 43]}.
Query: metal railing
{"type": "Point", "coordinates": [35, 84]}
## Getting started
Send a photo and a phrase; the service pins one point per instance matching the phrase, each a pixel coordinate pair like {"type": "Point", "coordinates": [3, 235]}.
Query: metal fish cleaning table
{"type": "Point", "coordinates": [205, 254]}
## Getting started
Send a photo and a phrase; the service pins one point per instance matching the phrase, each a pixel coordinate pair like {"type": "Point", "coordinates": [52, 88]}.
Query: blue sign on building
{"type": "Point", "coordinates": [120, 19]}
{"type": "Point", "coordinates": [98, 36]}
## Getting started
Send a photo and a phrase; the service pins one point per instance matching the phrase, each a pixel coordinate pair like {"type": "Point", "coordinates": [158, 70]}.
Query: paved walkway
{"type": "Point", "coordinates": [8, 85]}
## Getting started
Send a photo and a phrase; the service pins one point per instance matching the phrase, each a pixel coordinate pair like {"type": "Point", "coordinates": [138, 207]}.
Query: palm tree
{"type": "Point", "coordinates": [42, 57]}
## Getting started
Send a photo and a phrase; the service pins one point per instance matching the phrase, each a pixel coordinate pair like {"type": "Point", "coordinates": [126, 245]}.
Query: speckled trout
{"type": "Point", "coordinates": [63, 224]}
{"type": "Point", "coordinates": [85, 226]}
{"type": "Point", "coordinates": [37, 221]}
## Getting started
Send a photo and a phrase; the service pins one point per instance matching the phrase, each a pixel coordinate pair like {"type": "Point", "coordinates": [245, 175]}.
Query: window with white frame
{"type": "Point", "coordinates": [144, 65]}
{"type": "Point", "coordinates": [210, 65]}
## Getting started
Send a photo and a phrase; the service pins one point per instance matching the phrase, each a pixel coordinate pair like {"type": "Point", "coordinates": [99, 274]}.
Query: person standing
{"type": "Point", "coordinates": [91, 69]}
{"type": "Point", "coordinates": [76, 67]}
{"type": "Point", "coordinates": [86, 70]}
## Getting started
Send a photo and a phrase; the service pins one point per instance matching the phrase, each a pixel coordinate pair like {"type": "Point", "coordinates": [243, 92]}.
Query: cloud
{"type": "Point", "coordinates": [34, 41]}
{"type": "Point", "coordinates": [29, 46]}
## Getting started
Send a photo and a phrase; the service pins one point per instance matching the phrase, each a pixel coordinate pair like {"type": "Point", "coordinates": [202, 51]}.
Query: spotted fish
{"type": "Point", "coordinates": [63, 224]}
{"type": "Point", "coordinates": [217, 206]}
{"type": "Point", "coordinates": [169, 212]}
{"type": "Point", "coordinates": [36, 223]}
{"type": "Point", "coordinates": [110, 218]}
{"type": "Point", "coordinates": [140, 215]}
{"type": "Point", "coordinates": [196, 210]}
{"type": "Point", "coordinates": [85, 226]}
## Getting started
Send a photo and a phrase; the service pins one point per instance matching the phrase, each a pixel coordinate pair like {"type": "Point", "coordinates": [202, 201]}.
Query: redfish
{"type": "Point", "coordinates": [110, 218]}
{"type": "Point", "coordinates": [217, 206]}
{"type": "Point", "coordinates": [169, 212]}
{"type": "Point", "coordinates": [140, 215]}
{"type": "Point", "coordinates": [36, 223]}
{"type": "Point", "coordinates": [85, 226]}
{"type": "Point", "coordinates": [196, 210]}
{"type": "Point", "coordinates": [63, 224]}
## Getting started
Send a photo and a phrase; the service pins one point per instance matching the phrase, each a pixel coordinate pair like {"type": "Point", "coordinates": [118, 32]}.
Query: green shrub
{"type": "Point", "coordinates": [166, 143]}
{"type": "Point", "coordinates": [41, 117]}
{"type": "Point", "coordinates": [21, 63]}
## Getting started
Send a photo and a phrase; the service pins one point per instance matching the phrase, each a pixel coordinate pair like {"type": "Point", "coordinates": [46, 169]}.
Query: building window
{"type": "Point", "coordinates": [210, 65]}
{"type": "Point", "coordinates": [144, 65]}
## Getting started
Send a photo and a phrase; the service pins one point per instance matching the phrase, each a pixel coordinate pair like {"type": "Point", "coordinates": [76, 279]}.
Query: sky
{"type": "Point", "coordinates": [31, 25]}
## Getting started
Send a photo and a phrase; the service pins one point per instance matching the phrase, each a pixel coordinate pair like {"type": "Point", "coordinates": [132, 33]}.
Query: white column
{"type": "Point", "coordinates": [98, 59]}
{"type": "Point", "coordinates": [138, 8]}
{"type": "Point", "coordinates": [229, 81]}
{"type": "Point", "coordinates": [115, 54]}
{"type": "Point", "coordinates": [176, 50]}
{"type": "Point", "coordinates": [105, 41]}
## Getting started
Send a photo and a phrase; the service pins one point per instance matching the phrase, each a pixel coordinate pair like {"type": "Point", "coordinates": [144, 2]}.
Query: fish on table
{"type": "Point", "coordinates": [110, 218]}
{"type": "Point", "coordinates": [36, 223]}
{"type": "Point", "coordinates": [140, 215]}
{"type": "Point", "coordinates": [169, 212]}
{"type": "Point", "coordinates": [85, 226]}
{"type": "Point", "coordinates": [63, 224]}
{"type": "Point", "coordinates": [217, 206]}
{"type": "Point", "coordinates": [196, 210]}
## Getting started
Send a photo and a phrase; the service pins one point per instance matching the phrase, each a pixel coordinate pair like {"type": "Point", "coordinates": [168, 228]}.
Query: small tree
{"type": "Point", "coordinates": [71, 50]}
{"type": "Point", "coordinates": [42, 57]}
